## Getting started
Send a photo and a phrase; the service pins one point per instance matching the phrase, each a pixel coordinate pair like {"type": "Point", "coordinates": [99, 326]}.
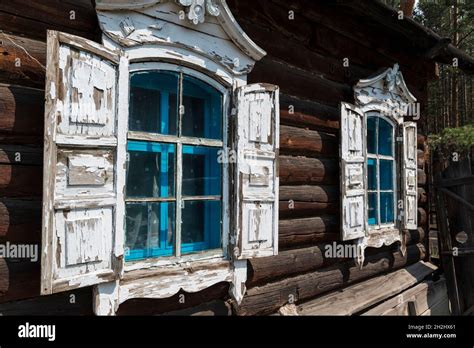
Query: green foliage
{"type": "Point", "coordinates": [453, 139]}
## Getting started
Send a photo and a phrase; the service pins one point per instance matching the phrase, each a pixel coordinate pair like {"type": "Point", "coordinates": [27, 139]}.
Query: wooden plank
{"type": "Point", "coordinates": [19, 279]}
{"type": "Point", "coordinates": [356, 298]}
{"type": "Point", "coordinates": [310, 143]}
{"type": "Point", "coordinates": [307, 171]}
{"type": "Point", "coordinates": [424, 296]}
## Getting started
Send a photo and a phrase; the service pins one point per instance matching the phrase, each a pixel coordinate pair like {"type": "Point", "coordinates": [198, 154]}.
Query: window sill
{"type": "Point", "coordinates": [383, 236]}
{"type": "Point", "coordinates": [165, 278]}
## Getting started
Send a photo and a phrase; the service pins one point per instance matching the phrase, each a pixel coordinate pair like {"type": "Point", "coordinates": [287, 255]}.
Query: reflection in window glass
{"type": "Point", "coordinates": [201, 171]}
{"type": "Point", "coordinates": [149, 230]}
{"type": "Point", "coordinates": [150, 170]}
{"type": "Point", "coordinates": [380, 171]}
{"type": "Point", "coordinates": [202, 110]}
{"type": "Point", "coordinates": [154, 102]}
{"type": "Point", "coordinates": [201, 226]}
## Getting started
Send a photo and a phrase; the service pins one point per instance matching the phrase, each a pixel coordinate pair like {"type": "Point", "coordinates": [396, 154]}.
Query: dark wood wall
{"type": "Point", "coordinates": [304, 59]}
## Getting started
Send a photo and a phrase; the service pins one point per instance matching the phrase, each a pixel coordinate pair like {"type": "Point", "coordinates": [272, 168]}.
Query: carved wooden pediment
{"type": "Point", "coordinates": [386, 92]}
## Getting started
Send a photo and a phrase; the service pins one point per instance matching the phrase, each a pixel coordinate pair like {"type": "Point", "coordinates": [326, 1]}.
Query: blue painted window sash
{"type": "Point", "coordinates": [211, 231]}
{"type": "Point", "coordinates": [376, 158]}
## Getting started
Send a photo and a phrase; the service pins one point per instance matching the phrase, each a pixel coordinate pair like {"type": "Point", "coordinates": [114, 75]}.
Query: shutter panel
{"type": "Point", "coordinates": [353, 172]}
{"type": "Point", "coordinates": [257, 143]}
{"type": "Point", "coordinates": [83, 166]}
{"type": "Point", "coordinates": [409, 177]}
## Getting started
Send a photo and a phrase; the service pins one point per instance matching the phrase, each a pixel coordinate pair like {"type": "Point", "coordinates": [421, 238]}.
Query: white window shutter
{"type": "Point", "coordinates": [84, 157]}
{"type": "Point", "coordinates": [256, 182]}
{"type": "Point", "coordinates": [409, 177]}
{"type": "Point", "coordinates": [353, 172]}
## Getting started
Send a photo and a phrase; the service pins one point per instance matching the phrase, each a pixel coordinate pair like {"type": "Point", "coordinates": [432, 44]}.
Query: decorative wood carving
{"type": "Point", "coordinates": [196, 10]}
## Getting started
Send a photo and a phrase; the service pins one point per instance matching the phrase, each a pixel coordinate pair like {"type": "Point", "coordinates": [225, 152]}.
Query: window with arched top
{"type": "Point", "coordinates": [381, 171]}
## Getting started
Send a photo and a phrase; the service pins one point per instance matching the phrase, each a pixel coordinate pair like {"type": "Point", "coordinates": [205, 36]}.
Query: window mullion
{"type": "Point", "coordinates": [179, 170]}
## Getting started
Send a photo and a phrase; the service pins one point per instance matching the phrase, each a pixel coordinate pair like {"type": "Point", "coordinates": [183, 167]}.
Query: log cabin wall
{"type": "Point", "coordinates": [305, 58]}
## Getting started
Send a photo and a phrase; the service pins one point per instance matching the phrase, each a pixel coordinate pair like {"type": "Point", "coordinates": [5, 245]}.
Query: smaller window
{"type": "Point", "coordinates": [380, 171]}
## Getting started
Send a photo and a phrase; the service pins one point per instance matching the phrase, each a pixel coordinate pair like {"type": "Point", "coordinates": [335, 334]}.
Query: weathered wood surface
{"type": "Point", "coordinates": [308, 230]}
{"type": "Point", "coordinates": [424, 296]}
{"type": "Point", "coordinates": [21, 115]}
{"type": "Point", "coordinates": [305, 259]}
{"type": "Point", "coordinates": [358, 297]}
{"type": "Point", "coordinates": [268, 298]}
{"type": "Point", "coordinates": [77, 302]}
{"type": "Point", "coordinates": [19, 279]}
{"type": "Point", "coordinates": [303, 113]}
{"type": "Point", "coordinates": [33, 18]}
{"type": "Point", "coordinates": [20, 220]}
{"type": "Point", "coordinates": [23, 60]}
{"type": "Point", "coordinates": [307, 193]}
{"type": "Point", "coordinates": [20, 181]}
{"type": "Point", "coordinates": [21, 155]}
{"type": "Point", "coordinates": [307, 171]}
{"type": "Point", "coordinates": [310, 143]}
{"type": "Point", "coordinates": [421, 174]}
{"type": "Point", "coordinates": [293, 210]}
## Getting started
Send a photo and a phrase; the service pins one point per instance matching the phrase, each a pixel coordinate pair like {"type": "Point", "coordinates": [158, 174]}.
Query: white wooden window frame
{"type": "Point", "coordinates": [221, 253]}
{"type": "Point", "coordinates": [152, 36]}
{"type": "Point", "coordinates": [381, 96]}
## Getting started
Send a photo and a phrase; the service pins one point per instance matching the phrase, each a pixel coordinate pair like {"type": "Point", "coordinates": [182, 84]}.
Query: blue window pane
{"type": "Point", "coordinates": [201, 171]}
{"type": "Point", "coordinates": [150, 229]}
{"type": "Point", "coordinates": [150, 170]}
{"type": "Point", "coordinates": [386, 207]}
{"type": "Point", "coordinates": [201, 226]}
{"type": "Point", "coordinates": [372, 173]}
{"type": "Point", "coordinates": [202, 110]}
{"type": "Point", "coordinates": [154, 102]}
{"type": "Point", "coordinates": [372, 208]}
{"type": "Point", "coordinates": [386, 175]}
{"type": "Point", "coordinates": [371, 135]}
{"type": "Point", "coordinates": [385, 138]}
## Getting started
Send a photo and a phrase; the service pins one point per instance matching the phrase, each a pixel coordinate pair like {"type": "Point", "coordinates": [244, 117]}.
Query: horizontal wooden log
{"type": "Point", "coordinates": [422, 216]}
{"type": "Point", "coordinates": [420, 158]}
{"type": "Point", "coordinates": [421, 177]}
{"type": "Point", "coordinates": [20, 220]}
{"type": "Point", "coordinates": [287, 263]}
{"type": "Point", "coordinates": [422, 196]}
{"type": "Point", "coordinates": [309, 171]}
{"type": "Point", "coordinates": [298, 112]}
{"type": "Point", "coordinates": [21, 181]}
{"type": "Point", "coordinates": [308, 231]}
{"type": "Point", "coordinates": [33, 18]}
{"type": "Point", "coordinates": [21, 155]}
{"type": "Point", "coordinates": [290, 262]}
{"type": "Point", "coordinates": [57, 304]}
{"type": "Point", "coordinates": [267, 299]}
{"type": "Point", "coordinates": [306, 193]}
{"type": "Point", "coordinates": [21, 115]}
{"type": "Point", "coordinates": [415, 236]}
{"type": "Point", "coordinates": [23, 61]}
{"type": "Point", "coordinates": [310, 143]}
{"type": "Point", "coordinates": [19, 279]}
{"type": "Point", "coordinates": [292, 209]}
{"type": "Point", "coordinates": [361, 296]}
{"type": "Point", "coordinates": [295, 81]}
